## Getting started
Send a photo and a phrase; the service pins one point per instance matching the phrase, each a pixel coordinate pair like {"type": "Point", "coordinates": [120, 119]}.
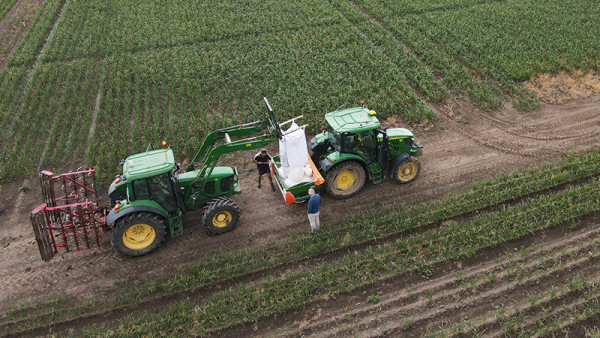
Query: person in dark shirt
{"type": "Point", "coordinates": [314, 207]}
{"type": "Point", "coordinates": [262, 164]}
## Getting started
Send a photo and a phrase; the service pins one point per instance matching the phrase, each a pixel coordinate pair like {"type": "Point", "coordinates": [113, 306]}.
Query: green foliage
{"type": "Point", "coordinates": [142, 78]}
{"type": "Point", "coordinates": [5, 6]}
{"type": "Point", "coordinates": [373, 299]}
{"type": "Point", "coordinates": [414, 250]}
{"type": "Point", "coordinates": [425, 270]}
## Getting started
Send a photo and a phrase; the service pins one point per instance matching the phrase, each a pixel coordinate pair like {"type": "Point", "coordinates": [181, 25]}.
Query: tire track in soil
{"type": "Point", "coordinates": [195, 242]}
{"type": "Point", "coordinates": [11, 36]}
{"type": "Point", "coordinates": [251, 277]}
{"type": "Point", "coordinates": [451, 296]}
{"type": "Point", "coordinates": [451, 162]}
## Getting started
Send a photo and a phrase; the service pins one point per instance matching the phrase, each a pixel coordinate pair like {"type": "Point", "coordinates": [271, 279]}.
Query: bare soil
{"type": "Point", "coordinates": [470, 296]}
{"type": "Point", "coordinates": [465, 146]}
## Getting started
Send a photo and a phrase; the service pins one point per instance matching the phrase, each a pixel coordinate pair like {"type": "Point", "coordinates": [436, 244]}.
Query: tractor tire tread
{"type": "Point", "coordinates": [121, 224]}
{"type": "Point", "coordinates": [215, 205]}
{"type": "Point", "coordinates": [395, 171]}
{"type": "Point", "coordinates": [332, 173]}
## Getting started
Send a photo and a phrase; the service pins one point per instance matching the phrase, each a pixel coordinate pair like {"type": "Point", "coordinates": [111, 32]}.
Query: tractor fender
{"type": "Point", "coordinates": [396, 162]}
{"type": "Point", "coordinates": [113, 217]}
{"type": "Point", "coordinates": [326, 165]}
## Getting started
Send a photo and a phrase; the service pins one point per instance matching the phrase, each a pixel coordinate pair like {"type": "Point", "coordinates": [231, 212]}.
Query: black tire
{"type": "Point", "coordinates": [220, 215]}
{"type": "Point", "coordinates": [345, 180]}
{"type": "Point", "coordinates": [407, 171]}
{"type": "Point", "coordinates": [138, 233]}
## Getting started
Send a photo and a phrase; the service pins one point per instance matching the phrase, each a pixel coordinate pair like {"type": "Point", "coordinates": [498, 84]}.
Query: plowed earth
{"type": "Point", "coordinates": [465, 146]}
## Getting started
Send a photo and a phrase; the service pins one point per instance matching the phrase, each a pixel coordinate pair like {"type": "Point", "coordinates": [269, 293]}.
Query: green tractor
{"type": "Point", "coordinates": [353, 148]}
{"type": "Point", "coordinates": [151, 197]}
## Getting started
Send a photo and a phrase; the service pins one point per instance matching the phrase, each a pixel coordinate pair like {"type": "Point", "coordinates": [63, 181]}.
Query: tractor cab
{"type": "Point", "coordinates": [149, 186]}
{"type": "Point", "coordinates": [354, 147]}
{"type": "Point", "coordinates": [354, 131]}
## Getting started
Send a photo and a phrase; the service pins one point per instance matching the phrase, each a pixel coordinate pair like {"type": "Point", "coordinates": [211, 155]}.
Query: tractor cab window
{"type": "Point", "coordinates": [363, 144]}
{"type": "Point", "coordinates": [158, 189]}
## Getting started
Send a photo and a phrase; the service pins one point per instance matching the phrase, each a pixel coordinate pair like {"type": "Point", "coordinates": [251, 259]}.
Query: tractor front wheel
{"type": "Point", "coordinates": [138, 234]}
{"type": "Point", "coordinates": [220, 215]}
{"type": "Point", "coordinates": [407, 171]}
{"type": "Point", "coordinates": [345, 180]}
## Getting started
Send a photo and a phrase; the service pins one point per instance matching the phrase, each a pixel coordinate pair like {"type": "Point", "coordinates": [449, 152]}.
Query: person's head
{"type": "Point", "coordinates": [311, 191]}
{"type": "Point", "coordinates": [263, 152]}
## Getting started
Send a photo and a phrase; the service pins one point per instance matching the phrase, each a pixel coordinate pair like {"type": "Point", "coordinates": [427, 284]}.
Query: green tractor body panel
{"type": "Point", "coordinates": [147, 164]}
{"type": "Point", "coordinates": [336, 157]}
{"type": "Point", "coordinates": [222, 182]}
{"type": "Point", "coordinates": [126, 207]}
{"type": "Point", "coordinates": [401, 142]}
{"type": "Point", "coordinates": [354, 120]}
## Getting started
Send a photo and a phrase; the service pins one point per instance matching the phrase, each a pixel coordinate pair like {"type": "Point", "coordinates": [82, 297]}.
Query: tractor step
{"type": "Point", "coordinates": [176, 227]}
{"type": "Point", "coordinates": [376, 170]}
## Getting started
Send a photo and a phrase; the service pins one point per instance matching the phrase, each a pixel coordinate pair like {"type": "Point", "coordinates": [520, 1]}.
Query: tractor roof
{"type": "Point", "coordinates": [148, 164]}
{"type": "Point", "coordinates": [353, 120]}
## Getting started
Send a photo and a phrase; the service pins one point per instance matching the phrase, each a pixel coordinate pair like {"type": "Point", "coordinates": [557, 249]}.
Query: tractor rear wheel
{"type": "Point", "coordinates": [407, 171]}
{"type": "Point", "coordinates": [345, 180]}
{"type": "Point", "coordinates": [220, 215]}
{"type": "Point", "coordinates": [138, 234]}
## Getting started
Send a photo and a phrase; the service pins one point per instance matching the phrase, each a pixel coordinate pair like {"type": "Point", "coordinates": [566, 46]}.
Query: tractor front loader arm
{"type": "Point", "coordinates": [231, 139]}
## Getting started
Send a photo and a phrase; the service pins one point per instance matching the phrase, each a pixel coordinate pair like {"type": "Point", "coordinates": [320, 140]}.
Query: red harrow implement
{"type": "Point", "coordinates": [71, 217]}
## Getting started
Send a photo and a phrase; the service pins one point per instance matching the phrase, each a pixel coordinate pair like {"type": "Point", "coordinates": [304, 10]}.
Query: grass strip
{"type": "Point", "coordinates": [457, 240]}
{"type": "Point", "coordinates": [6, 6]}
{"type": "Point", "coordinates": [353, 231]}
{"type": "Point", "coordinates": [376, 224]}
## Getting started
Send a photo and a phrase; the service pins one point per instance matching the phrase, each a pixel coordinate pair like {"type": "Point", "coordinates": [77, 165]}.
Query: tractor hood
{"type": "Point", "coordinates": [396, 133]}
{"type": "Point", "coordinates": [187, 178]}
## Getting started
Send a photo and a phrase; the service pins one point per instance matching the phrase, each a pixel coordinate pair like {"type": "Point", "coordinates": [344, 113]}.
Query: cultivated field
{"type": "Point", "coordinates": [498, 235]}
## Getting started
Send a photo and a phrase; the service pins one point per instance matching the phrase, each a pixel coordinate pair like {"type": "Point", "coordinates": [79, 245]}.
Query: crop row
{"type": "Point", "coordinates": [180, 91]}
{"type": "Point", "coordinates": [506, 41]}
{"type": "Point", "coordinates": [5, 6]}
{"type": "Point", "coordinates": [365, 228]}
{"type": "Point", "coordinates": [374, 225]}
{"type": "Point", "coordinates": [113, 27]}
{"type": "Point", "coordinates": [293, 289]}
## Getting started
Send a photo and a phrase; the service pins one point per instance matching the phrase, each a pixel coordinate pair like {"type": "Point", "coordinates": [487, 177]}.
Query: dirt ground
{"type": "Point", "coordinates": [465, 146]}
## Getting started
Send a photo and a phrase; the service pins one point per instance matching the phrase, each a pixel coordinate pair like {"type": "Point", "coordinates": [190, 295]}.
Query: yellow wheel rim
{"type": "Point", "coordinates": [345, 180]}
{"type": "Point", "coordinates": [407, 171]}
{"type": "Point", "coordinates": [222, 219]}
{"type": "Point", "coordinates": [139, 236]}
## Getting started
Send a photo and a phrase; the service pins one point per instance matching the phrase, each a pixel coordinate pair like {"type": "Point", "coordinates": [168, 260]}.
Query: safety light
{"type": "Point", "coordinates": [330, 160]}
{"type": "Point", "coordinates": [117, 206]}
{"type": "Point", "coordinates": [117, 180]}
{"type": "Point", "coordinates": [362, 102]}
{"type": "Point", "coordinates": [164, 143]}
